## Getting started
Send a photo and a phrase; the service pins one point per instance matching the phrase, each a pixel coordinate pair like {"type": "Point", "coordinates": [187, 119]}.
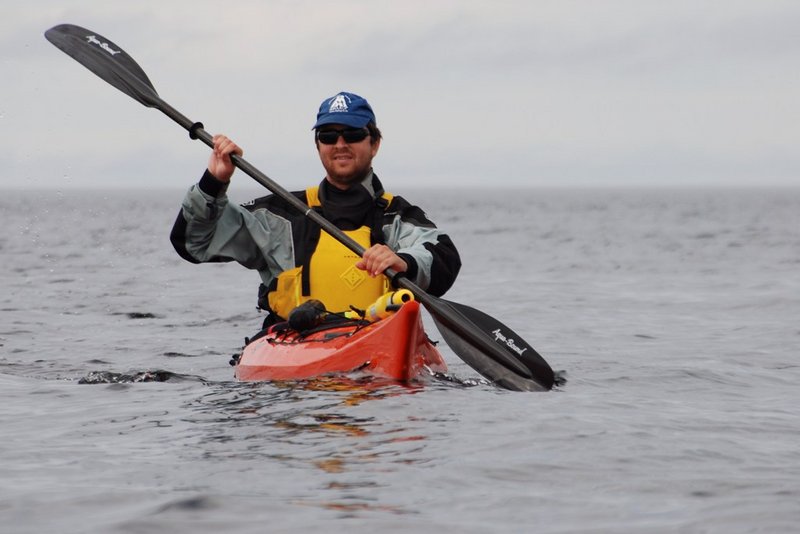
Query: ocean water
{"type": "Point", "coordinates": [674, 314]}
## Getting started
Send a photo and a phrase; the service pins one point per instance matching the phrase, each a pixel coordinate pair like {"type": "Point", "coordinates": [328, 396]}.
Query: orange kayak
{"type": "Point", "coordinates": [395, 347]}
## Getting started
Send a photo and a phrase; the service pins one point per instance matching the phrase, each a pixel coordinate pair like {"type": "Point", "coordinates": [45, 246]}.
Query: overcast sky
{"type": "Point", "coordinates": [533, 93]}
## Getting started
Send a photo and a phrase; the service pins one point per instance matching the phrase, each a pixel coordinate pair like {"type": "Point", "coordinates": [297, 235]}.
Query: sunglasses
{"type": "Point", "coordinates": [351, 135]}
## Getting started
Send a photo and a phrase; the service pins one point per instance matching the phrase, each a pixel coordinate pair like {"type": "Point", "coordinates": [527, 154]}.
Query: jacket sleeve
{"type": "Point", "coordinates": [211, 229]}
{"type": "Point", "coordinates": [435, 262]}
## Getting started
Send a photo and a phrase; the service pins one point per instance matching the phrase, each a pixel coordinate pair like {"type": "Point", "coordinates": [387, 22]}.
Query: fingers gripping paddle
{"type": "Point", "coordinates": [488, 346]}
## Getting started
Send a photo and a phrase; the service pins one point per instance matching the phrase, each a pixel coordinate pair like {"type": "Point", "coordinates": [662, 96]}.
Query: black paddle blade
{"type": "Point", "coordinates": [105, 59]}
{"type": "Point", "coordinates": [492, 349]}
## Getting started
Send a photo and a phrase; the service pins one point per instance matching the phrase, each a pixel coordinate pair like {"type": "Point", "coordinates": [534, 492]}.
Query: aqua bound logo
{"type": "Point", "coordinates": [508, 342]}
{"type": "Point", "coordinates": [92, 39]}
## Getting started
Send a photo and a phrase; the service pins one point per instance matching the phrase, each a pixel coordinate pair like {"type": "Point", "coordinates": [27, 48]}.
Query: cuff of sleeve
{"type": "Point", "coordinates": [411, 272]}
{"type": "Point", "coordinates": [211, 186]}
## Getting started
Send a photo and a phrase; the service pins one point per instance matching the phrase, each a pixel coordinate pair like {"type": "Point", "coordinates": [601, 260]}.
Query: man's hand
{"type": "Point", "coordinates": [220, 164]}
{"type": "Point", "coordinates": [378, 258]}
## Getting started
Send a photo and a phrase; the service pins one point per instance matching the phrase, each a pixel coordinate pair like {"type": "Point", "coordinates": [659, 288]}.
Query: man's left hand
{"type": "Point", "coordinates": [378, 258]}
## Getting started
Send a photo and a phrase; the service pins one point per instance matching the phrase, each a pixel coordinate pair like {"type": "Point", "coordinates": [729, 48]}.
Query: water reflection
{"type": "Point", "coordinates": [346, 435]}
{"type": "Point", "coordinates": [333, 443]}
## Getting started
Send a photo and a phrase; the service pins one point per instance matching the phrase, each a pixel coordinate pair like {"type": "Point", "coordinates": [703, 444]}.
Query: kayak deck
{"type": "Point", "coordinates": [396, 347]}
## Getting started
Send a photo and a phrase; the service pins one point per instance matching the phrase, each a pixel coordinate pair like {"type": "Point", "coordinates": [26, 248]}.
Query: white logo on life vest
{"type": "Point", "coordinates": [508, 342]}
{"type": "Point", "coordinates": [339, 104]}
{"type": "Point", "coordinates": [94, 40]}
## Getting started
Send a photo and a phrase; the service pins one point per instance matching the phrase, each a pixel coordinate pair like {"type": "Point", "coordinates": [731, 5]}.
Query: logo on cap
{"type": "Point", "coordinates": [345, 108]}
{"type": "Point", "coordinates": [339, 104]}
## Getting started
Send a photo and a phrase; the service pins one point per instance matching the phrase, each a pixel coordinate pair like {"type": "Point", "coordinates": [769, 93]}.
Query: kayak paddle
{"type": "Point", "coordinates": [483, 342]}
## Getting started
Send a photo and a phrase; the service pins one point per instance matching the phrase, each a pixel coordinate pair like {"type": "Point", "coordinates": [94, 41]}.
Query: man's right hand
{"type": "Point", "coordinates": [220, 164]}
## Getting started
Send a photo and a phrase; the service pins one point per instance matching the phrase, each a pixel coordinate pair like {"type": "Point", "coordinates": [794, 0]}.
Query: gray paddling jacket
{"type": "Point", "coordinates": [271, 236]}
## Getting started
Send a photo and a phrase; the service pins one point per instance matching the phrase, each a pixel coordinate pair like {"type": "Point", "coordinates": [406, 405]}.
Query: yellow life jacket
{"type": "Point", "coordinates": [332, 276]}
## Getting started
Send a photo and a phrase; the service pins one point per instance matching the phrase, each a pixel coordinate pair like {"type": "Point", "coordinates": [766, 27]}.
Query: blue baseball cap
{"type": "Point", "coordinates": [345, 108]}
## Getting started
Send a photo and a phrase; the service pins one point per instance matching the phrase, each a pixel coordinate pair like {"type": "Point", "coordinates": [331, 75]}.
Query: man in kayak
{"type": "Point", "coordinates": [296, 260]}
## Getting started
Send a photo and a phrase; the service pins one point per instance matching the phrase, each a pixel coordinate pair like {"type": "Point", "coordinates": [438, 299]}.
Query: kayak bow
{"type": "Point", "coordinates": [395, 347]}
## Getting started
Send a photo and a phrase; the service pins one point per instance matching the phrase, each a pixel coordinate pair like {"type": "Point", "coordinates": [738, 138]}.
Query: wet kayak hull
{"type": "Point", "coordinates": [396, 347]}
